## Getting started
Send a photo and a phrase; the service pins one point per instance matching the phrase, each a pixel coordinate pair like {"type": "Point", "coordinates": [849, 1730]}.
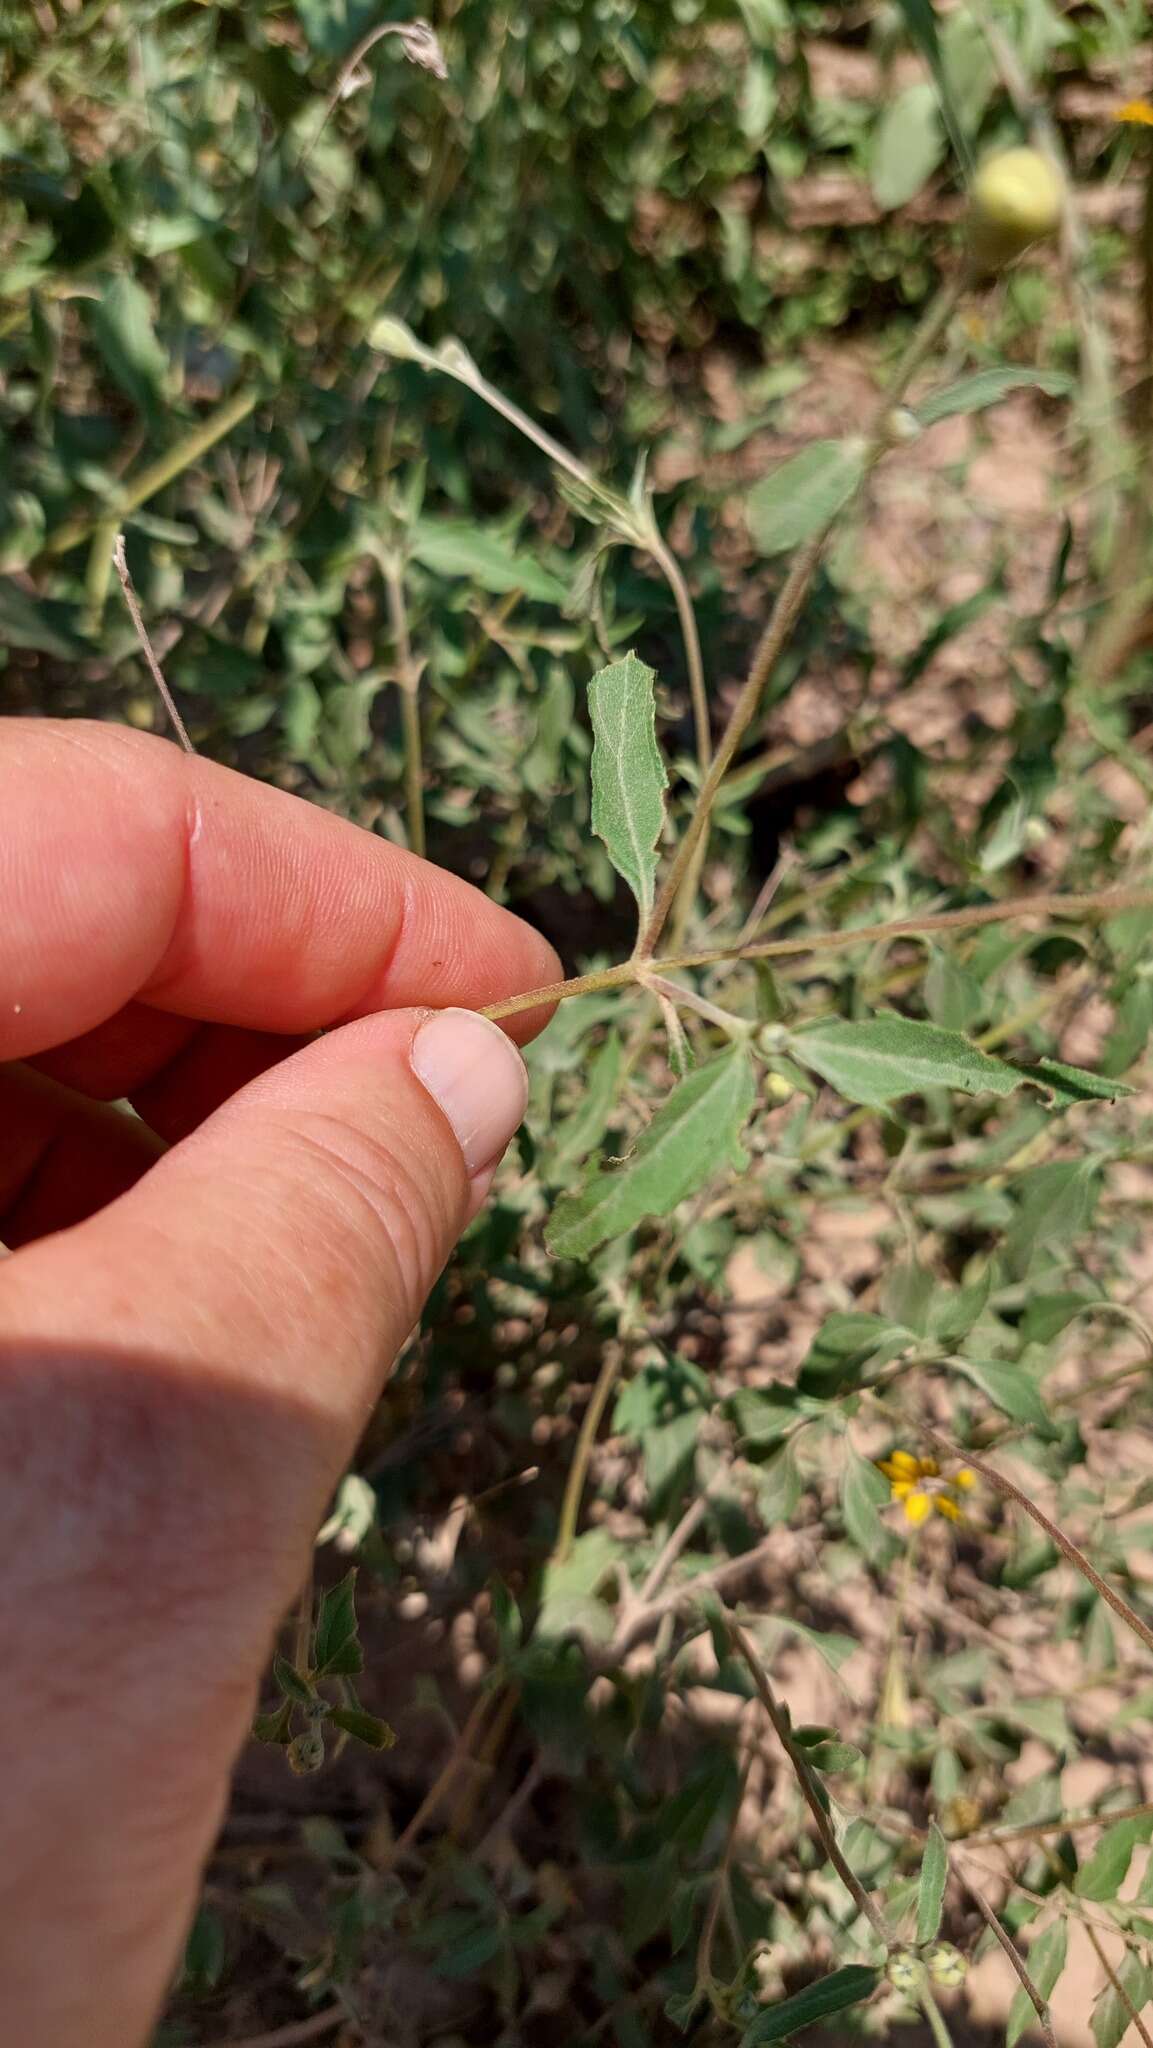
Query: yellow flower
{"type": "Point", "coordinates": [907, 1475]}
{"type": "Point", "coordinates": [1138, 112]}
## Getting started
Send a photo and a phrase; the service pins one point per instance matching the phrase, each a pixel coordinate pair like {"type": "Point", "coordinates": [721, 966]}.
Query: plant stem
{"type": "Point", "coordinates": [1016, 1960]}
{"type": "Point", "coordinates": [1102, 903]}
{"type": "Point", "coordinates": [1134, 2017]}
{"type": "Point", "coordinates": [408, 677]}
{"type": "Point", "coordinates": [1068, 1549]}
{"type": "Point", "coordinates": [120, 563]}
{"type": "Point", "coordinates": [611, 1364]}
{"type": "Point", "coordinates": [783, 1733]}
{"type": "Point", "coordinates": [645, 535]}
{"type": "Point", "coordinates": [936, 2020]}
{"type": "Point", "coordinates": [787, 610]}
{"type": "Point", "coordinates": [160, 472]}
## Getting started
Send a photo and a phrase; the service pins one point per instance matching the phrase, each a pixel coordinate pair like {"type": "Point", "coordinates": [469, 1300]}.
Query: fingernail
{"type": "Point", "coordinates": [477, 1079]}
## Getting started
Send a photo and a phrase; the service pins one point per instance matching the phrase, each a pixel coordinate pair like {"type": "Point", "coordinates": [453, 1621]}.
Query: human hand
{"type": "Point", "coordinates": [191, 1338]}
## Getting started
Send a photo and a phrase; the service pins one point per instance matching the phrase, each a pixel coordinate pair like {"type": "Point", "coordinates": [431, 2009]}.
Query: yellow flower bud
{"type": "Point", "coordinates": [906, 1973]}
{"type": "Point", "coordinates": [1016, 200]}
{"type": "Point", "coordinates": [947, 1966]}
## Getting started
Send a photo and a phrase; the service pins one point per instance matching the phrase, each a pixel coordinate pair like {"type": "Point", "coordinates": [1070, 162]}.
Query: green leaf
{"type": "Point", "coordinates": [291, 1684]}
{"type": "Point", "coordinates": [1102, 1877]}
{"type": "Point", "coordinates": [986, 387]}
{"type": "Point", "coordinates": [931, 1889]}
{"type": "Point", "coordinates": [274, 1727]}
{"type": "Point", "coordinates": [1068, 1085]}
{"type": "Point", "coordinates": [833, 1756]}
{"type": "Point", "coordinates": [693, 1134]}
{"type": "Point", "coordinates": [454, 547]}
{"type": "Point", "coordinates": [889, 1056]}
{"type": "Point", "coordinates": [578, 1134]}
{"type": "Point", "coordinates": [123, 332]}
{"type": "Point", "coordinates": [27, 621]}
{"type": "Point", "coordinates": [1010, 1388]}
{"type": "Point", "coordinates": [849, 1986]}
{"type": "Point", "coordinates": [921, 22]}
{"type": "Point", "coordinates": [628, 774]}
{"type": "Point", "coordinates": [907, 147]}
{"type": "Point", "coordinates": [1046, 1960]}
{"type": "Point", "coordinates": [864, 1492]}
{"type": "Point", "coordinates": [569, 1589]}
{"type": "Point", "coordinates": [1111, 2020]}
{"type": "Point", "coordinates": [1057, 1202]}
{"type": "Point", "coordinates": [366, 1728]}
{"type": "Point", "coordinates": [843, 1346]}
{"type": "Point", "coordinates": [801, 497]}
{"type": "Point", "coordinates": [336, 1649]}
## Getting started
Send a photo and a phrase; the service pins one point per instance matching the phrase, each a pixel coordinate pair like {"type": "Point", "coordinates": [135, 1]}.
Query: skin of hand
{"type": "Point", "coordinates": [200, 1306]}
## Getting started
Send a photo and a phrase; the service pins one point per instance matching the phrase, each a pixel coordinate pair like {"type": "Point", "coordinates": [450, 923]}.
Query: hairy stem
{"type": "Point", "coordinates": [804, 1777]}
{"type": "Point", "coordinates": [1134, 2017]}
{"type": "Point", "coordinates": [1077, 1558]}
{"type": "Point", "coordinates": [787, 610]}
{"type": "Point", "coordinates": [1016, 1961]}
{"type": "Point", "coordinates": [1101, 903]}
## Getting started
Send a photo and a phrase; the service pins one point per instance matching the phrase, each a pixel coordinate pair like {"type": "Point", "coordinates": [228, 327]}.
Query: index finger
{"type": "Point", "coordinates": [130, 870]}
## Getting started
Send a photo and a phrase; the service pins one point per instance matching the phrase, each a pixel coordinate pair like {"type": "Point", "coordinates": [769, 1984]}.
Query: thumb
{"type": "Point", "coordinates": [283, 1251]}
{"type": "Point", "coordinates": [182, 1377]}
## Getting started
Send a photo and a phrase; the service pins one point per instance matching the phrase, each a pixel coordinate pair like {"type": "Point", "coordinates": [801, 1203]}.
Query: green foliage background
{"type": "Point", "coordinates": [607, 204]}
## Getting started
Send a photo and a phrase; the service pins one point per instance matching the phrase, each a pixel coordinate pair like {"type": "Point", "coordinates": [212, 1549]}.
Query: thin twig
{"type": "Point", "coordinates": [295, 2035]}
{"type": "Point", "coordinates": [1016, 1960]}
{"type": "Point", "coordinates": [420, 47]}
{"type": "Point", "coordinates": [461, 1755]}
{"type": "Point", "coordinates": [1102, 903]}
{"type": "Point", "coordinates": [787, 610]}
{"type": "Point", "coordinates": [642, 1617]}
{"type": "Point", "coordinates": [783, 1733]}
{"type": "Point", "coordinates": [1029, 1831]}
{"type": "Point", "coordinates": [1134, 2017]}
{"type": "Point", "coordinates": [611, 1364]}
{"type": "Point", "coordinates": [1069, 1550]}
{"type": "Point", "coordinates": [120, 563]}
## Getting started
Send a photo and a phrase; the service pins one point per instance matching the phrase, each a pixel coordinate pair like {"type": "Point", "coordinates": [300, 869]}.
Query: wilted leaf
{"type": "Point", "coordinates": [693, 1134]}
{"type": "Point", "coordinates": [816, 2002]}
{"type": "Point", "coordinates": [803, 495]}
{"type": "Point", "coordinates": [628, 774]}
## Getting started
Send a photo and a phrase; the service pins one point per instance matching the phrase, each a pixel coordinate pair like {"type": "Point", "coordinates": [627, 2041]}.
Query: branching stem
{"type": "Point", "coordinates": [787, 610]}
